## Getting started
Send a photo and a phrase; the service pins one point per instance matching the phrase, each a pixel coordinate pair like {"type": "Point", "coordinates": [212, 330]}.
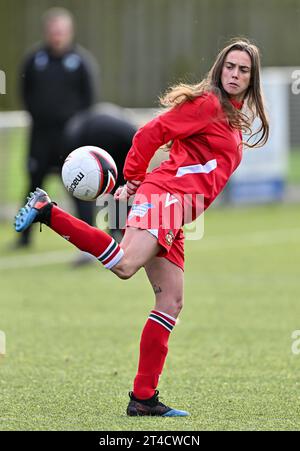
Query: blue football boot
{"type": "Point", "coordinates": [34, 210]}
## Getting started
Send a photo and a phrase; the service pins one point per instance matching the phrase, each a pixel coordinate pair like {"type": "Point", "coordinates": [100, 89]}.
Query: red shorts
{"type": "Point", "coordinates": [161, 214]}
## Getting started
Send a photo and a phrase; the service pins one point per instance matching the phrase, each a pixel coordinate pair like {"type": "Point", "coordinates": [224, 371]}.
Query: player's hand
{"type": "Point", "coordinates": [121, 193]}
{"type": "Point", "coordinates": [132, 187]}
{"type": "Point", "coordinates": [124, 192]}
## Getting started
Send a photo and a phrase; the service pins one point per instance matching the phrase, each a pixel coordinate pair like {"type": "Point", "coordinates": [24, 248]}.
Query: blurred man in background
{"type": "Point", "coordinates": [58, 81]}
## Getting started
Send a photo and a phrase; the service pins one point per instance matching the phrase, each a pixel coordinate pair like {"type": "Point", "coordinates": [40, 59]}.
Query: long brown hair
{"type": "Point", "coordinates": [212, 83]}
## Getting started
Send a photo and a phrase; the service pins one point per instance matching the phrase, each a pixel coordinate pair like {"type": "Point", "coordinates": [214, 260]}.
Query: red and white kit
{"type": "Point", "coordinates": [205, 152]}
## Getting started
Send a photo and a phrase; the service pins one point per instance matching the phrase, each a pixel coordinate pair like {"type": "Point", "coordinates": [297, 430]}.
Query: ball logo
{"type": "Point", "coordinates": [75, 182]}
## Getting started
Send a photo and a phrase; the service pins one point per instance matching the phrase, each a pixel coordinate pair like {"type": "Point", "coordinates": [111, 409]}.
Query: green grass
{"type": "Point", "coordinates": [72, 335]}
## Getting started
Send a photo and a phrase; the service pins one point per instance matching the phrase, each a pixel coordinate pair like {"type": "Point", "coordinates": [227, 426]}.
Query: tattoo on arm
{"type": "Point", "coordinates": [156, 289]}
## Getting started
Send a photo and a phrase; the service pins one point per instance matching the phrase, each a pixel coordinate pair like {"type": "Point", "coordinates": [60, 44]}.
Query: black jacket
{"type": "Point", "coordinates": [54, 88]}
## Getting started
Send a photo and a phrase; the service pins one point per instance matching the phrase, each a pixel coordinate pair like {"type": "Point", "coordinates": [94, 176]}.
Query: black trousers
{"type": "Point", "coordinates": [46, 155]}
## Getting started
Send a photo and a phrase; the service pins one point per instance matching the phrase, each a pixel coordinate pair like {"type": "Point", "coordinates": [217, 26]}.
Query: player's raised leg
{"type": "Point", "coordinates": [139, 247]}
{"type": "Point", "coordinates": [136, 249]}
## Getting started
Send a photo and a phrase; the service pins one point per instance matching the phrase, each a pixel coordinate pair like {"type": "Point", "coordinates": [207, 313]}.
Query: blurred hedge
{"type": "Point", "coordinates": [145, 45]}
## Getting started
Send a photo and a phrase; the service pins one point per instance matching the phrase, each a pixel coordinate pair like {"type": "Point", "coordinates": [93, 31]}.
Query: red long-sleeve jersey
{"type": "Point", "coordinates": [205, 151]}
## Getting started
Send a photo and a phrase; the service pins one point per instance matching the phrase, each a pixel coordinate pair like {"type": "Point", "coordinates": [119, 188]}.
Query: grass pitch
{"type": "Point", "coordinates": [72, 335]}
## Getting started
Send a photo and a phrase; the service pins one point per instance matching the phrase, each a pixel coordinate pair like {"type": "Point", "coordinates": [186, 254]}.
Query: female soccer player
{"type": "Point", "coordinates": [203, 128]}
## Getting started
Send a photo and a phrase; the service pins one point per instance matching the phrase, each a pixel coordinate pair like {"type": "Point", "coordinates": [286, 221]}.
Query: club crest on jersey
{"type": "Point", "coordinates": [140, 210]}
{"type": "Point", "coordinates": [41, 60]}
{"type": "Point", "coordinates": [71, 62]}
{"type": "Point", "coordinates": [169, 238]}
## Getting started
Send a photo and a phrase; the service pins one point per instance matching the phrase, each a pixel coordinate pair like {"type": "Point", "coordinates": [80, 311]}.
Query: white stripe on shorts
{"type": "Point", "coordinates": [153, 232]}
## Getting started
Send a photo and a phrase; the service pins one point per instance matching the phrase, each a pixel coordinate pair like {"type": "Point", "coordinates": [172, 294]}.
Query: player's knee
{"type": "Point", "coordinates": [124, 274]}
{"type": "Point", "coordinates": [178, 305]}
{"type": "Point", "coordinates": [172, 305]}
{"type": "Point", "coordinates": [124, 269]}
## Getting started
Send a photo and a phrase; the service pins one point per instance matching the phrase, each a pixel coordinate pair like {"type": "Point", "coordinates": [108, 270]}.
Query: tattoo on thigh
{"type": "Point", "coordinates": [156, 289]}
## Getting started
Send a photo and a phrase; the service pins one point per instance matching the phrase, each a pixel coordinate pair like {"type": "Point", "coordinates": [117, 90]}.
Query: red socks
{"type": "Point", "coordinates": [153, 353]}
{"type": "Point", "coordinates": [155, 336]}
{"type": "Point", "coordinates": [86, 238]}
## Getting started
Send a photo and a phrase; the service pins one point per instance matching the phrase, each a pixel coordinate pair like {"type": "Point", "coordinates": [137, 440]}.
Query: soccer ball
{"type": "Point", "coordinates": [89, 172]}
